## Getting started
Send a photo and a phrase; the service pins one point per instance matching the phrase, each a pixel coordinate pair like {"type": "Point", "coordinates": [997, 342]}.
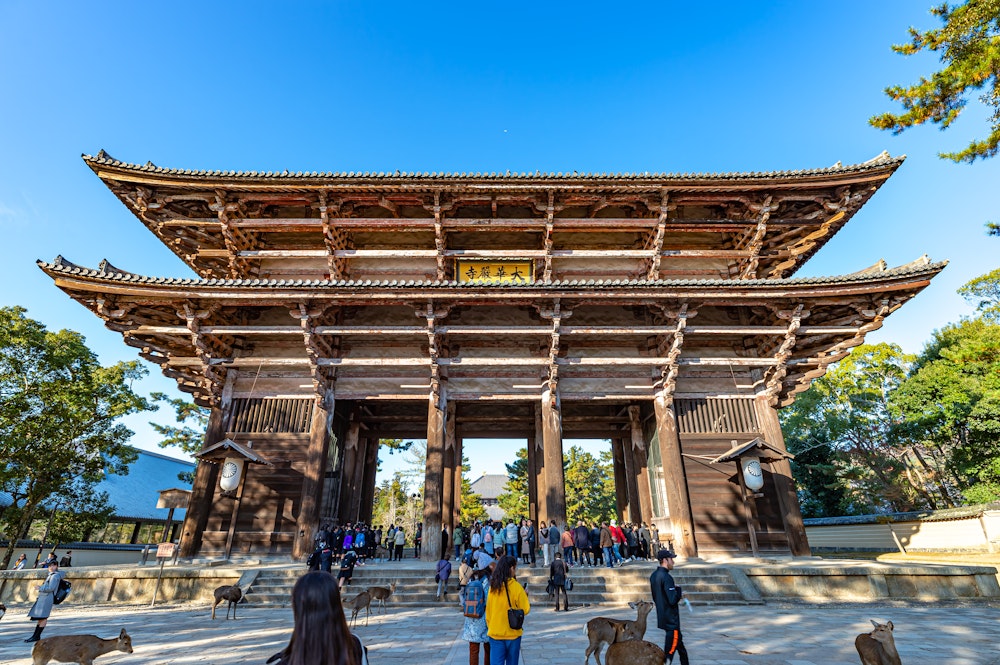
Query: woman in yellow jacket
{"type": "Point", "coordinates": [505, 593]}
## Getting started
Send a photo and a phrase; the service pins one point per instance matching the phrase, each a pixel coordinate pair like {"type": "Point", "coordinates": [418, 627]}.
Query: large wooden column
{"type": "Point", "coordinates": [555, 481]}
{"type": "Point", "coordinates": [457, 483]}
{"type": "Point", "coordinates": [368, 482]}
{"type": "Point", "coordinates": [451, 467]}
{"type": "Point", "coordinates": [631, 482]}
{"type": "Point", "coordinates": [358, 480]}
{"type": "Point", "coordinates": [532, 480]}
{"type": "Point", "coordinates": [641, 457]}
{"type": "Point", "coordinates": [312, 475]}
{"type": "Point", "coordinates": [781, 471]}
{"type": "Point", "coordinates": [349, 472]}
{"type": "Point", "coordinates": [537, 442]}
{"type": "Point", "coordinates": [206, 476]}
{"type": "Point", "coordinates": [678, 503]}
{"type": "Point", "coordinates": [621, 482]}
{"type": "Point", "coordinates": [434, 473]}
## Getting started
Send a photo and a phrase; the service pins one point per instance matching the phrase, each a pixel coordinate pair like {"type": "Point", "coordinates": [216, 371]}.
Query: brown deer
{"type": "Point", "coordinates": [634, 652]}
{"type": "Point", "coordinates": [381, 594]}
{"type": "Point", "coordinates": [363, 599]}
{"type": "Point", "coordinates": [232, 593]}
{"type": "Point", "coordinates": [601, 630]}
{"type": "Point", "coordinates": [81, 649]}
{"type": "Point", "coordinates": [877, 647]}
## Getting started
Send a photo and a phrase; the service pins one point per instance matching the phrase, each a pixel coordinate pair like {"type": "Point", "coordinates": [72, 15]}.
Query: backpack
{"type": "Point", "coordinates": [60, 594]}
{"type": "Point", "coordinates": [475, 601]}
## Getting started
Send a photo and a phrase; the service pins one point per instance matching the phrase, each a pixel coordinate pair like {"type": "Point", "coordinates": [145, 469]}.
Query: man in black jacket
{"type": "Point", "coordinates": [666, 596]}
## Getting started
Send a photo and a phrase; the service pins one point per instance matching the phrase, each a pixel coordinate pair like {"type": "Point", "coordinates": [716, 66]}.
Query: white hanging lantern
{"type": "Point", "coordinates": [229, 477]}
{"type": "Point", "coordinates": [753, 476]}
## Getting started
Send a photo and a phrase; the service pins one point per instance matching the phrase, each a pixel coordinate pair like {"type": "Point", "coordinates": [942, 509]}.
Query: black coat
{"type": "Point", "coordinates": [666, 595]}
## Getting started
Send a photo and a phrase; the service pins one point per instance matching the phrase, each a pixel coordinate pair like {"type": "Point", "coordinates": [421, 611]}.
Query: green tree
{"type": "Point", "coordinates": [850, 413]}
{"type": "Point", "coordinates": [590, 486]}
{"type": "Point", "coordinates": [514, 498]}
{"type": "Point", "coordinates": [392, 502]}
{"type": "Point", "coordinates": [984, 293]}
{"type": "Point", "coordinates": [189, 434]}
{"type": "Point", "coordinates": [59, 412]}
{"type": "Point", "coordinates": [968, 45]}
{"type": "Point", "coordinates": [951, 404]}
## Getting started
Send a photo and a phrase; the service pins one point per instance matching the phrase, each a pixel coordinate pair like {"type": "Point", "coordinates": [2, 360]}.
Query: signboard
{"type": "Point", "coordinates": [164, 550]}
{"type": "Point", "coordinates": [495, 271]}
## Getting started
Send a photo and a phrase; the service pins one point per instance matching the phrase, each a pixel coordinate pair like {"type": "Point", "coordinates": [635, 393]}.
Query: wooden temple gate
{"type": "Point", "coordinates": [334, 310]}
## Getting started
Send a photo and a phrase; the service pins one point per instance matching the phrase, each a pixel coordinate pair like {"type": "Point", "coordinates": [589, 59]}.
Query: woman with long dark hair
{"type": "Point", "coordinates": [321, 635]}
{"type": "Point", "coordinates": [505, 593]}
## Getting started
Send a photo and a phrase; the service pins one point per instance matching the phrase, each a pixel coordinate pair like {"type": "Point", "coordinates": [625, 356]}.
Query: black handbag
{"type": "Point", "coordinates": [514, 617]}
{"type": "Point", "coordinates": [569, 584]}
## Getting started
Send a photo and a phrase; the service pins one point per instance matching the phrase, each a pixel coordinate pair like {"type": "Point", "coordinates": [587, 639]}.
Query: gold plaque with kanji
{"type": "Point", "coordinates": [506, 271]}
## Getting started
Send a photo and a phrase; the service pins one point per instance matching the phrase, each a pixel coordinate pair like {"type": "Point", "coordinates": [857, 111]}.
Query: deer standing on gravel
{"type": "Point", "coordinates": [634, 652]}
{"type": "Point", "coordinates": [381, 594]}
{"type": "Point", "coordinates": [232, 593]}
{"type": "Point", "coordinates": [601, 630]}
{"type": "Point", "coordinates": [363, 599]}
{"type": "Point", "coordinates": [81, 649]}
{"type": "Point", "coordinates": [877, 647]}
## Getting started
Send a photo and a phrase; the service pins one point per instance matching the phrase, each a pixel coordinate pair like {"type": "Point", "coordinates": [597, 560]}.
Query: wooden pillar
{"type": "Point", "coordinates": [552, 450]}
{"type": "Point", "coordinates": [641, 460]}
{"type": "Point", "coordinates": [537, 442]}
{"type": "Point", "coordinates": [678, 504]}
{"type": "Point", "coordinates": [781, 471]}
{"type": "Point", "coordinates": [206, 477]}
{"type": "Point", "coordinates": [532, 480]}
{"type": "Point", "coordinates": [631, 482]}
{"type": "Point", "coordinates": [456, 510]}
{"type": "Point", "coordinates": [359, 477]}
{"type": "Point", "coordinates": [621, 483]}
{"type": "Point", "coordinates": [313, 472]}
{"type": "Point", "coordinates": [349, 471]}
{"type": "Point", "coordinates": [368, 481]}
{"type": "Point", "coordinates": [451, 467]}
{"type": "Point", "coordinates": [434, 472]}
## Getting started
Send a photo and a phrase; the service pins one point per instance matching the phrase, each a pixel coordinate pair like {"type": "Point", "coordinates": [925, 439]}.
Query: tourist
{"type": "Point", "coordinates": [595, 544]}
{"type": "Point", "coordinates": [524, 540]}
{"type": "Point", "coordinates": [532, 542]}
{"type": "Point", "coordinates": [346, 568]}
{"type": "Point", "coordinates": [49, 560]}
{"type": "Point", "coordinates": [474, 629]}
{"type": "Point", "coordinates": [21, 561]}
{"type": "Point", "coordinates": [444, 541]}
{"type": "Point", "coordinates": [617, 540]}
{"type": "Point", "coordinates": [457, 539]}
{"type": "Point", "coordinates": [67, 560]}
{"type": "Point", "coordinates": [42, 608]}
{"type": "Point", "coordinates": [567, 545]}
{"type": "Point", "coordinates": [644, 540]}
{"type": "Point", "coordinates": [441, 577]}
{"type": "Point", "coordinates": [482, 561]}
{"type": "Point", "coordinates": [558, 574]}
{"type": "Point", "coordinates": [510, 538]}
{"type": "Point", "coordinates": [555, 537]}
{"type": "Point", "coordinates": [417, 538]}
{"type": "Point", "coordinates": [476, 539]}
{"type": "Point", "coordinates": [464, 577]}
{"type": "Point", "coordinates": [607, 545]}
{"type": "Point", "coordinates": [654, 538]}
{"type": "Point", "coordinates": [488, 537]}
{"type": "Point", "coordinates": [500, 540]}
{"type": "Point", "coordinates": [505, 593]}
{"type": "Point", "coordinates": [631, 535]}
{"type": "Point", "coordinates": [400, 540]}
{"type": "Point", "coordinates": [666, 595]}
{"type": "Point", "coordinates": [581, 544]}
{"type": "Point", "coordinates": [320, 635]}
{"type": "Point", "coordinates": [543, 534]}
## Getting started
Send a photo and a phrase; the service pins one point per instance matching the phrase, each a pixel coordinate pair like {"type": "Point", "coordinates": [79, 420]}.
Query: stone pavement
{"type": "Point", "coordinates": [956, 633]}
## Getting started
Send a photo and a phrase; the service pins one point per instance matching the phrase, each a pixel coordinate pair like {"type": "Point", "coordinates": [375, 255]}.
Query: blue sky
{"type": "Point", "coordinates": [590, 87]}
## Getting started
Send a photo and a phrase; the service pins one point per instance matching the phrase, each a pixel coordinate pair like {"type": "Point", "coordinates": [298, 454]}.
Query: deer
{"type": "Point", "coordinates": [381, 594]}
{"type": "Point", "coordinates": [634, 652]}
{"type": "Point", "coordinates": [363, 599]}
{"type": "Point", "coordinates": [602, 630]}
{"type": "Point", "coordinates": [232, 593]}
{"type": "Point", "coordinates": [877, 647]}
{"type": "Point", "coordinates": [82, 649]}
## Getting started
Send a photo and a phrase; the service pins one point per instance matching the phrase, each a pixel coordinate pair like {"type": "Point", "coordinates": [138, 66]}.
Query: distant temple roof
{"type": "Point", "coordinates": [134, 495]}
{"type": "Point", "coordinates": [489, 485]}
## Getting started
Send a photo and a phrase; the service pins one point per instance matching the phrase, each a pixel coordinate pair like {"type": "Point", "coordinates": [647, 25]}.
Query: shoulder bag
{"type": "Point", "coordinates": [514, 617]}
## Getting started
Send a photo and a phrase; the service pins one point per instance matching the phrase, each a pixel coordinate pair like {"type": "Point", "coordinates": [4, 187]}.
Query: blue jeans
{"type": "Point", "coordinates": [609, 556]}
{"type": "Point", "coordinates": [511, 551]}
{"type": "Point", "coordinates": [504, 652]}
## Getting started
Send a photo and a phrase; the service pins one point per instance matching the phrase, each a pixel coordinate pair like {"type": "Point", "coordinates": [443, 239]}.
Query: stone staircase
{"type": "Point", "coordinates": [415, 585]}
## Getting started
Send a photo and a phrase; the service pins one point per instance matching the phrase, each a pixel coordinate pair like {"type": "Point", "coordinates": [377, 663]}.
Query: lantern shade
{"type": "Point", "coordinates": [230, 473]}
{"type": "Point", "coordinates": [752, 474]}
